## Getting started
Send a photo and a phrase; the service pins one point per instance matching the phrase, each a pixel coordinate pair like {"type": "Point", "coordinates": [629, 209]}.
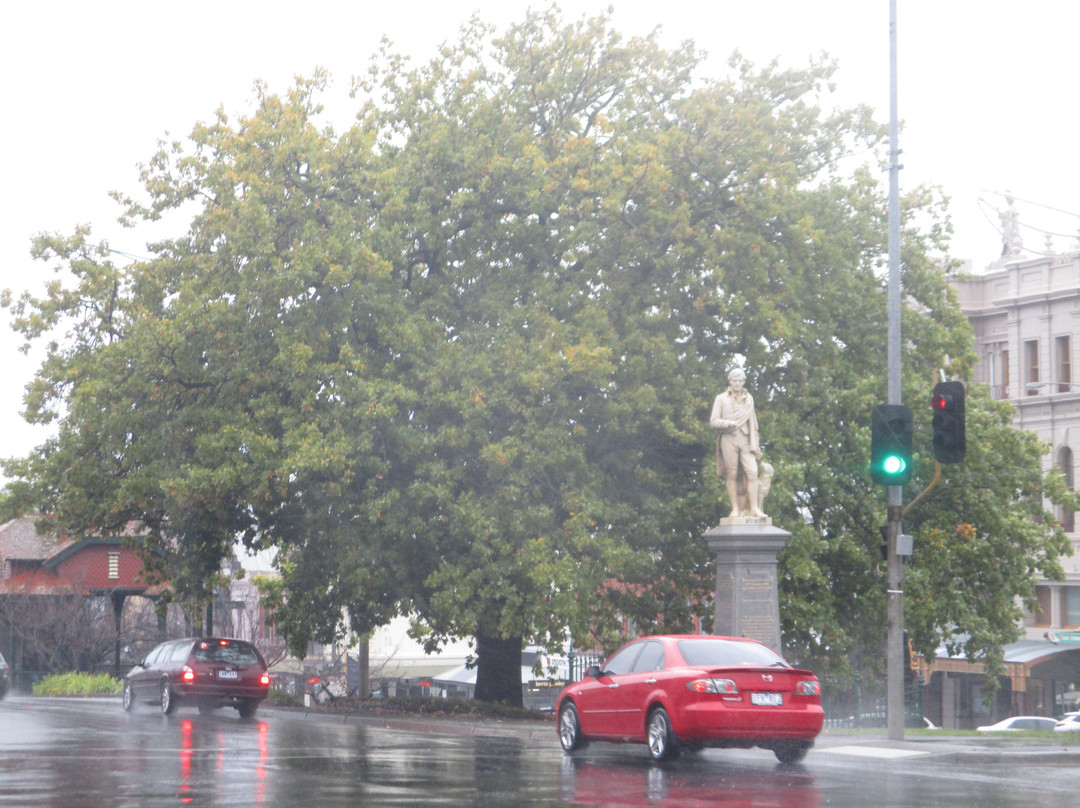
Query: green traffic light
{"type": "Point", "coordinates": [890, 444]}
{"type": "Point", "coordinates": [894, 464]}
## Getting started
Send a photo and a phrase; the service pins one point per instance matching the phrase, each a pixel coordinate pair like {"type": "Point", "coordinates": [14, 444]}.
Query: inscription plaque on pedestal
{"type": "Point", "coordinates": [747, 598]}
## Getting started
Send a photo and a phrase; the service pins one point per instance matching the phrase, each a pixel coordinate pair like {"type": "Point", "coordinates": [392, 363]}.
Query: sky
{"type": "Point", "coordinates": [986, 91]}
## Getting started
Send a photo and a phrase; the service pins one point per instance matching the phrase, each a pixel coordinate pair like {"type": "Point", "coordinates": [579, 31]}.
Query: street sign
{"type": "Point", "coordinates": [1063, 636]}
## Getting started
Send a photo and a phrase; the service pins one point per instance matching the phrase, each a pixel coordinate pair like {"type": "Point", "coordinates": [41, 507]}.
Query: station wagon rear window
{"type": "Point", "coordinates": [228, 653]}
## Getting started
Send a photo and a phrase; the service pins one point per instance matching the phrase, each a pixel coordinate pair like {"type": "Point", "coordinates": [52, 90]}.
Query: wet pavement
{"type": "Point", "coordinates": [76, 753]}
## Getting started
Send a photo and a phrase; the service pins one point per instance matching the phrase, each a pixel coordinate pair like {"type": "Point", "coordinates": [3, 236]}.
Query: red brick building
{"type": "Point", "coordinates": [35, 562]}
{"type": "Point", "coordinates": [45, 564]}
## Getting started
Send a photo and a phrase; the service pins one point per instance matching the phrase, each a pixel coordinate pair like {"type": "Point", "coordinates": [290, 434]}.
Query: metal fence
{"type": "Point", "coordinates": [579, 663]}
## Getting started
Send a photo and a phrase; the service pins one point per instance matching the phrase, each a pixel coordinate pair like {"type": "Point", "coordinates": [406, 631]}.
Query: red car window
{"type": "Point", "coordinates": [651, 659]}
{"type": "Point", "coordinates": [623, 661]}
{"type": "Point", "coordinates": [729, 654]}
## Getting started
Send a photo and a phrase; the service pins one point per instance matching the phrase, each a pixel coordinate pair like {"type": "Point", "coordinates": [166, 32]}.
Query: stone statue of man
{"type": "Point", "coordinates": [733, 414]}
{"type": "Point", "coordinates": [1011, 241]}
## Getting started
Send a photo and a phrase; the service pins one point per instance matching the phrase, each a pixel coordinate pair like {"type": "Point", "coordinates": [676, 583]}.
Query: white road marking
{"type": "Point", "coordinates": [872, 751]}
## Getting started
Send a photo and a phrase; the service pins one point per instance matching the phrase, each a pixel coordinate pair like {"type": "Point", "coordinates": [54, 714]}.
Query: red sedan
{"type": "Point", "coordinates": [694, 691]}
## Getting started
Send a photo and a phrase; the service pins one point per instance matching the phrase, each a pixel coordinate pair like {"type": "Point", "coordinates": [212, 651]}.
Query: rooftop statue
{"type": "Point", "coordinates": [1011, 241]}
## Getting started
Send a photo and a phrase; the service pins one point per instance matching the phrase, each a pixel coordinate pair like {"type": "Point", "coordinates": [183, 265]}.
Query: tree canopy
{"type": "Point", "coordinates": [457, 360]}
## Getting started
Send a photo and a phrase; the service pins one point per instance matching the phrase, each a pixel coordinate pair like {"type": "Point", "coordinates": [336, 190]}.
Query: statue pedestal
{"type": "Point", "coordinates": [747, 598]}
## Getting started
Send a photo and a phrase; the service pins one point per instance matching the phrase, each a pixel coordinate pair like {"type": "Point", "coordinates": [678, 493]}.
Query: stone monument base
{"type": "Point", "coordinates": [756, 521]}
{"type": "Point", "coordinates": [747, 595]}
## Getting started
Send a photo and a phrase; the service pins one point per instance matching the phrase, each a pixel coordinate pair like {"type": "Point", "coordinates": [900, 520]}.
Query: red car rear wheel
{"type": "Point", "coordinates": [661, 739]}
{"type": "Point", "coordinates": [168, 698]}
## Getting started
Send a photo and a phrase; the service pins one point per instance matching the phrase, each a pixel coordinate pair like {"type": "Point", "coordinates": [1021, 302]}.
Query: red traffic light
{"type": "Point", "coordinates": [950, 439]}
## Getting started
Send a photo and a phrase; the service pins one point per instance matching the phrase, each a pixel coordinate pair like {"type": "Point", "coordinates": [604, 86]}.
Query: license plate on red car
{"type": "Point", "coordinates": [767, 699]}
{"type": "Point", "coordinates": [228, 675]}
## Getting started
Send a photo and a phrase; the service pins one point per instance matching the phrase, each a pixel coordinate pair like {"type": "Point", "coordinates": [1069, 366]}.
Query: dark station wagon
{"type": "Point", "coordinates": [209, 672]}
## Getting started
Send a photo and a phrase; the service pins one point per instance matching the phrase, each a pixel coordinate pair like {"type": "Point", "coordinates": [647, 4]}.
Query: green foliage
{"type": "Point", "coordinates": [457, 361]}
{"type": "Point", "coordinates": [431, 707]}
{"type": "Point", "coordinates": [77, 684]}
{"type": "Point", "coordinates": [281, 698]}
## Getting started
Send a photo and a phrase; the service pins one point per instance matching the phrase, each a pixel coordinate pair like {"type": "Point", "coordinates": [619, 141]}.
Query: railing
{"type": "Point", "coordinates": [579, 663]}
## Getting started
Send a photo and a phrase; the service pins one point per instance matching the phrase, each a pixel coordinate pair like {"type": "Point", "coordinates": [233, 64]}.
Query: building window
{"type": "Point", "coordinates": [1071, 602]}
{"type": "Point", "coordinates": [114, 566]}
{"type": "Point", "coordinates": [1031, 365]}
{"type": "Point", "coordinates": [1043, 610]}
{"type": "Point", "coordinates": [997, 371]}
{"type": "Point", "coordinates": [1063, 358]}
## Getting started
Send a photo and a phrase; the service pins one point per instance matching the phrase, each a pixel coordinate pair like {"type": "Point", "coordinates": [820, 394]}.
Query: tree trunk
{"type": "Point", "coordinates": [498, 672]}
{"type": "Point", "coordinates": [363, 656]}
{"type": "Point", "coordinates": [118, 613]}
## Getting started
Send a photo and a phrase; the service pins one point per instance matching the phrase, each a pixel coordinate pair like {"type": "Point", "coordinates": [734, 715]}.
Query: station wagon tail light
{"type": "Point", "coordinates": [713, 686]}
{"type": "Point", "coordinates": [265, 679]}
{"type": "Point", "coordinates": [808, 688]}
{"type": "Point", "coordinates": [187, 674]}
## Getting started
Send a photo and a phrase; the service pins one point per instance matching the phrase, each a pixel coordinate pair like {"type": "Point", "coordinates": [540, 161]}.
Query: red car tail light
{"type": "Point", "coordinates": [726, 686]}
{"type": "Point", "coordinates": [187, 674]}
{"type": "Point", "coordinates": [265, 679]}
{"type": "Point", "coordinates": [808, 688]}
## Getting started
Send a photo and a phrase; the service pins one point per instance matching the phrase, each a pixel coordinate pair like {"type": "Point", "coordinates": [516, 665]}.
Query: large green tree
{"type": "Point", "coordinates": [457, 360]}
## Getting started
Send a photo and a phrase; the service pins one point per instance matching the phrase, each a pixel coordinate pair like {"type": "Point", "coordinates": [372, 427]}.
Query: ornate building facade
{"type": "Point", "coordinates": [1026, 317]}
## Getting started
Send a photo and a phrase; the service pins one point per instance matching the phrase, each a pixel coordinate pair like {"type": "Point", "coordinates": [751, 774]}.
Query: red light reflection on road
{"type": "Point", "coordinates": [207, 753]}
{"type": "Point", "coordinates": [186, 795]}
{"type": "Point", "coordinates": [260, 769]}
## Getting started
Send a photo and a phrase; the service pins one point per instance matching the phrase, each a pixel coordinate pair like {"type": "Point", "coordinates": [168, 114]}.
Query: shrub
{"type": "Point", "coordinates": [77, 684]}
{"type": "Point", "coordinates": [276, 696]}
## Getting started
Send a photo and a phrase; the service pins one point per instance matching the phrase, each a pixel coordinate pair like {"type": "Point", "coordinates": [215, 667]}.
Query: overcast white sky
{"type": "Point", "coordinates": [987, 93]}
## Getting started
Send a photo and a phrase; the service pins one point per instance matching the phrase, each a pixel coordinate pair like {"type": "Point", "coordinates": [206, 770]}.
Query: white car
{"type": "Point", "coordinates": [1070, 722]}
{"type": "Point", "coordinates": [1021, 723]}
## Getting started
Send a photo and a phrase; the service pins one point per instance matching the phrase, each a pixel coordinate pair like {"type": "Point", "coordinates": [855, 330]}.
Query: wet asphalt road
{"type": "Point", "coordinates": [74, 753]}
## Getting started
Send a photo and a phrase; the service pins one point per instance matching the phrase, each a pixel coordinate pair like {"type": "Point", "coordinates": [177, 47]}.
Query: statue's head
{"type": "Point", "coordinates": [736, 378]}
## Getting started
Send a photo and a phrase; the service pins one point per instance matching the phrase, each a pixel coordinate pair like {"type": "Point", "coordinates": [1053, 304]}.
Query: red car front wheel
{"type": "Point", "coordinates": [570, 727]}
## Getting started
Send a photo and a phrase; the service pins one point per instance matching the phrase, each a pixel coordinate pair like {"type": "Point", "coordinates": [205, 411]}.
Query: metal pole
{"type": "Point", "coordinates": [894, 658]}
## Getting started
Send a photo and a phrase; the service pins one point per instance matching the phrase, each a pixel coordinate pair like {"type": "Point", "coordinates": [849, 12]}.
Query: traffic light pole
{"type": "Point", "coordinates": [894, 657]}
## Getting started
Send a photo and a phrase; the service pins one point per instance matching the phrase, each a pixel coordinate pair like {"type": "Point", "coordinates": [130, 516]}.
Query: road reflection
{"type": "Point", "coordinates": [83, 754]}
{"type": "Point", "coordinates": [685, 784]}
{"type": "Point", "coordinates": [211, 759]}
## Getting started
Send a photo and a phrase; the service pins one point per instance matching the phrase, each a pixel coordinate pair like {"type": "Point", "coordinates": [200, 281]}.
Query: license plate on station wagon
{"type": "Point", "coordinates": [767, 699]}
{"type": "Point", "coordinates": [228, 675]}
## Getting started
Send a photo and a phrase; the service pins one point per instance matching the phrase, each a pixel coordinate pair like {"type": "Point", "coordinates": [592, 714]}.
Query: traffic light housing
{"type": "Point", "coordinates": [890, 444]}
{"type": "Point", "coordinates": [950, 439]}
